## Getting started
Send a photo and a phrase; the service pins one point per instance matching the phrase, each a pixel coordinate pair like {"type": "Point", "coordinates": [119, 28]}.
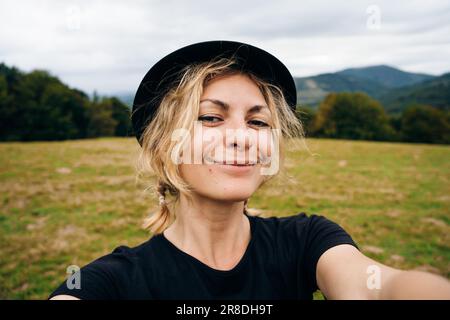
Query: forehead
{"type": "Point", "coordinates": [237, 89]}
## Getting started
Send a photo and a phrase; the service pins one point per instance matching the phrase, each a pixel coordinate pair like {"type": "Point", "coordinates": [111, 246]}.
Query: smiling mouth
{"type": "Point", "coordinates": [236, 163]}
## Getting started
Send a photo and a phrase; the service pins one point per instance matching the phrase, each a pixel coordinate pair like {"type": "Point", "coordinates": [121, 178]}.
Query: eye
{"type": "Point", "coordinates": [259, 123]}
{"type": "Point", "coordinates": [211, 119]}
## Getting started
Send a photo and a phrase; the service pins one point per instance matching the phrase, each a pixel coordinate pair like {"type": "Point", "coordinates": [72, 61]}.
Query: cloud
{"type": "Point", "coordinates": [109, 45]}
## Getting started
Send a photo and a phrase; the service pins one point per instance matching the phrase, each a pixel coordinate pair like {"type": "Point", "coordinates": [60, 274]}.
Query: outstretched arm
{"type": "Point", "coordinates": [343, 272]}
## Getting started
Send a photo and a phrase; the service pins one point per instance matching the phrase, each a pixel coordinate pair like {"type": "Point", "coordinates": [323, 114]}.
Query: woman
{"type": "Point", "coordinates": [212, 119]}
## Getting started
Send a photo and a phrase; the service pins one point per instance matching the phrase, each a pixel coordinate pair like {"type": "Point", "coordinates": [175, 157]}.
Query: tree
{"type": "Point", "coordinates": [421, 123]}
{"type": "Point", "coordinates": [101, 122]}
{"type": "Point", "coordinates": [38, 106]}
{"type": "Point", "coordinates": [352, 116]}
{"type": "Point", "coordinates": [121, 113]}
{"type": "Point", "coordinates": [307, 117]}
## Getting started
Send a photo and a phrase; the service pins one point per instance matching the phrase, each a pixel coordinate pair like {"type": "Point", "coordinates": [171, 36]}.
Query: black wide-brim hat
{"type": "Point", "coordinates": [160, 78]}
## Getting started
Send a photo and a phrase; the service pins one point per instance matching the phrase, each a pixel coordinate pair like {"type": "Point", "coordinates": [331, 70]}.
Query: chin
{"type": "Point", "coordinates": [215, 182]}
{"type": "Point", "coordinates": [227, 191]}
{"type": "Point", "coordinates": [235, 196]}
{"type": "Point", "coordinates": [232, 192]}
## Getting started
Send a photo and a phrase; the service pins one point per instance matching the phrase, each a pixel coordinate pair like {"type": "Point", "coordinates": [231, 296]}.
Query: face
{"type": "Point", "coordinates": [233, 137]}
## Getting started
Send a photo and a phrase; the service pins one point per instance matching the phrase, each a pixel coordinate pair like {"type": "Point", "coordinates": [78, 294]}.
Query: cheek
{"type": "Point", "coordinates": [265, 143]}
{"type": "Point", "coordinates": [200, 176]}
{"type": "Point", "coordinates": [196, 171]}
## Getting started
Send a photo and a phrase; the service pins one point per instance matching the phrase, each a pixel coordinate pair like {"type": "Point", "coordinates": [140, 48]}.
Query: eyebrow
{"type": "Point", "coordinates": [226, 106]}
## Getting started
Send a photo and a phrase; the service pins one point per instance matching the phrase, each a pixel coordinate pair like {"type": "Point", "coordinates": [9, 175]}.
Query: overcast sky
{"type": "Point", "coordinates": [110, 45]}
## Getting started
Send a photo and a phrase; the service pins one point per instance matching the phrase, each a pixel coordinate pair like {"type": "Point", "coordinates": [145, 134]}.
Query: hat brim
{"type": "Point", "coordinates": [160, 77]}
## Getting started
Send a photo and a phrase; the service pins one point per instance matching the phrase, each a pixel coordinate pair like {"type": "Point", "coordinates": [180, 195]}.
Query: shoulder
{"type": "Point", "coordinates": [304, 238]}
{"type": "Point", "coordinates": [108, 276]}
{"type": "Point", "coordinates": [303, 234]}
{"type": "Point", "coordinates": [124, 261]}
{"type": "Point", "coordinates": [298, 224]}
{"type": "Point", "coordinates": [120, 259]}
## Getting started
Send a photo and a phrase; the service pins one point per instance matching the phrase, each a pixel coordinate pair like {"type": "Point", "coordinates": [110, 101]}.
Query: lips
{"type": "Point", "coordinates": [237, 163]}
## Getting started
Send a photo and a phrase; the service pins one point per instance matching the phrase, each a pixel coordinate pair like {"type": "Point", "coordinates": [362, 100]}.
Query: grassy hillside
{"type": "Point", "coordinates": [66, 203]}
{"type": "Point", "coordinates": [434, 92]}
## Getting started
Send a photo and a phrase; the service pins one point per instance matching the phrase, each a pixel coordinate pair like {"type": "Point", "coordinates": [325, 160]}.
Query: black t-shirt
{"type": "Point", "coordinates": [279, 263]}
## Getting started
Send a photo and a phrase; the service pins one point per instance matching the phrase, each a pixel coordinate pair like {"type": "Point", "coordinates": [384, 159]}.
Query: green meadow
{"type": "Point", "coordinates": [65, 203]}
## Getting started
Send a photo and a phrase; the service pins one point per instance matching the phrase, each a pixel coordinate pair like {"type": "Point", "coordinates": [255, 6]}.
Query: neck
{"type": "Point", "coordinates": [215, 232]}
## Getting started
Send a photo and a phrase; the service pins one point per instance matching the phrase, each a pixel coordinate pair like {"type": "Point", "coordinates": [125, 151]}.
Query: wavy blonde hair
{"type": "Point", "coordinates": [179, 108]}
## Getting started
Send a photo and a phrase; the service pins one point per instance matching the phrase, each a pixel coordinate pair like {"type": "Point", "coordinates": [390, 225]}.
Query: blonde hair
{"type": "Point", "coordinates": [179, 108]}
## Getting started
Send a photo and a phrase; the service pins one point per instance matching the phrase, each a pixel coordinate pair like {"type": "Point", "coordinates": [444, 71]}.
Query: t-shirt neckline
{"type": "Point", "coordinates": [209, 269]}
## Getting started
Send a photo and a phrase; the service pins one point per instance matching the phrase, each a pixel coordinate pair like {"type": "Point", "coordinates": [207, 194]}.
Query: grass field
{"type": "Point", "coordinates": [70, 202]}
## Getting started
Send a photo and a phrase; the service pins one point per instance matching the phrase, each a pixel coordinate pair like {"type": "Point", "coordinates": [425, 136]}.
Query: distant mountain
{"type": "Point", "coordinates": [376, 81]}
{"type": "Point", "coordinates": [434, 92]}
{"type": "Point", "coordinates": [387, 76]}
{"type": "Point", "coordinates": [312, 90]}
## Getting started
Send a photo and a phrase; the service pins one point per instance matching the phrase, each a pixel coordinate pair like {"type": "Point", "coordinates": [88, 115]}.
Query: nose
{"type": "Point", "coordinates": [238, 137]}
